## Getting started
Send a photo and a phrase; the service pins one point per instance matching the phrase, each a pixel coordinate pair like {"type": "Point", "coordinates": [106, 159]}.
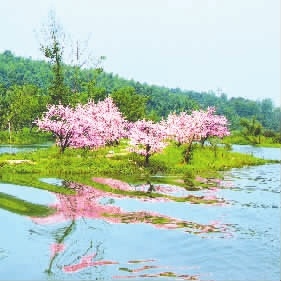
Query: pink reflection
{"type": "Point", "coordinates": [135, 272]}
{"type": "Point", "coordinates": [86, 203]}
{"type": "Point", "coordinates": [200, 179]}
{"type": "Point", "coordinates": [56, 248]}
{"type": "Point", "coordinates": [211, 194]}
{"type": "Point", "coordinates": [113, 183]}
{"type": "Point", "coordinates": [86, 261]}
{"type": "Point", "coordinates": [163, 189]}
{"type": "Point", "coordinates": [160, 276]}
{"type": "Point", "coordinates": [169, 190]}
{"type": "Point", "coordinates": [217, 182]}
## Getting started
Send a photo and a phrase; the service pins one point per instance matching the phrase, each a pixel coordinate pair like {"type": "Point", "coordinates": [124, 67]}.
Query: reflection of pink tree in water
{"type": "Point", "coordinates": [86, 203]}
{"type": "Point", "coordinates": [86, 261]}
{"type": "Point", "coordinates": [56, 248]}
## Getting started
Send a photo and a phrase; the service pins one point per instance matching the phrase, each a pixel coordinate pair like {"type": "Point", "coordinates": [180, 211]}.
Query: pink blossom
{"type": "Point", "coordinates": [86, 261]}
{"type": "Point", "coordinates": [90, 125]}
{"type": "Point", "coordinates": [147, 138]}
{"type": "Point", "coordinates": [199, 125]}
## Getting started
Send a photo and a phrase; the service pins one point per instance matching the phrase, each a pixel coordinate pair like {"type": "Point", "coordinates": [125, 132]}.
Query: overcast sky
{"type": "Point", "coordinates": [231, 46]}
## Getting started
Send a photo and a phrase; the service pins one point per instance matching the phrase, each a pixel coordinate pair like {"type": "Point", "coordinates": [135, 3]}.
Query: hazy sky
{"type": "Point", "coordinates": [232, 45]}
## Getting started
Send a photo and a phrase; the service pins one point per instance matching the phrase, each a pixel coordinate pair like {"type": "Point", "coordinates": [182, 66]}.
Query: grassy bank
{"type": "Point", "coordinates": [80, 165]}
{"type": "Point", "coordinates": [262, 141]}
{"type": "Point", "coordinates": [22, 207]}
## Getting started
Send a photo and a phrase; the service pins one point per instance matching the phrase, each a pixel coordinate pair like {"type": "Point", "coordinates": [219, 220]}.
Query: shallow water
{"type": "Point", "coordinates": [11, 149]}
{"type": "Point", "coordinates": [238, 239]}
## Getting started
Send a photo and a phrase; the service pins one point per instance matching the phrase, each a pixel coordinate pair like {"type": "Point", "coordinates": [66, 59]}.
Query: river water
{"type": "Point", "coordinates": [97, 236]}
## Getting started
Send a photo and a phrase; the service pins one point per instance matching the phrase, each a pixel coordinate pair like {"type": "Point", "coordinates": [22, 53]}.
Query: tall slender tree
{"type": "Point", "coordinates": [52, 47]}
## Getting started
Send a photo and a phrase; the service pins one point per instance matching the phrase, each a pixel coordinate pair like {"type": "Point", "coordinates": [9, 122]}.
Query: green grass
{"type": "Point", "coordinates": [79, 164]}
{"type": "Point", "coordinates": [22, 207]}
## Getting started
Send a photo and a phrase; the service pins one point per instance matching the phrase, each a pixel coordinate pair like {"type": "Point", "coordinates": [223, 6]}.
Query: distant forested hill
{"type": "Point", "coordinates": [19, 71]}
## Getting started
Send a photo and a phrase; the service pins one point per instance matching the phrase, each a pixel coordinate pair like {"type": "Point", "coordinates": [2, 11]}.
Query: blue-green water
{"type": "Point", "coordinates": [11, 149]}
{"type": "Point", "coordinates": [247, 246]}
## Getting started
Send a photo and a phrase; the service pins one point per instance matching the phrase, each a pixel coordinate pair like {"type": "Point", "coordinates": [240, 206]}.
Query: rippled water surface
{"type": "Point", "coordinates": [98, 236]}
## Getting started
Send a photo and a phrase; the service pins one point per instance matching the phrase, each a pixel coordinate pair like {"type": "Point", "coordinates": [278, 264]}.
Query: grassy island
{"type": "Point", "coordinates": [116, 162]}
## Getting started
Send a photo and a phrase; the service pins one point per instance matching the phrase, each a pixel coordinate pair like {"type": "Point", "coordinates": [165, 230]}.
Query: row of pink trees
{"type": "Point", "coordinates": [93, 125]}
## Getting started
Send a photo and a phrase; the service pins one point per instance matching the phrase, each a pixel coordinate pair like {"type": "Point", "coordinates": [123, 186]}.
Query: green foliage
{"type": "Point", "coordinates": [161, 100]}
{"type": "Point", "coordinates": [251, 127]}
{"type": "Point", "coordinates": [132, 105]}
{"type": "Point", "coordinates": [20, 106]}
{"type": "Point", "coordinates": [53, 50]}
{"type": "Point", "coordinates": [25, 136]}
{"type": "Point", "coordinates": [251, 135]}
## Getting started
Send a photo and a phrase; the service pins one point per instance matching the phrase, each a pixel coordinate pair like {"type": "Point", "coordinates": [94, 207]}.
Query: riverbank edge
{"type": "Point", "coordinates": [78, 165]}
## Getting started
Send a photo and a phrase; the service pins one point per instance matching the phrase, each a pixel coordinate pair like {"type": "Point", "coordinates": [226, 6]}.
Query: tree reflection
{"type": "Point", "coordinates": [87, 204]}
{"type": "Point", "coordinates": [59, 246]}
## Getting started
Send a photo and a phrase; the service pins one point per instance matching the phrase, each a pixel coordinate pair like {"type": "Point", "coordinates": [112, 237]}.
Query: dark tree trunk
{"type": "Point", "coordinates": [147, 148]}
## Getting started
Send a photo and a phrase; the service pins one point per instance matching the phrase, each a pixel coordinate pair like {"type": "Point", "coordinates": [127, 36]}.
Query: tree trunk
{"type": "Point", "coordinates": [188, 151]}
{"type": "Point", "coordinates": [9, 130]}
{"type": "Point", "coordinates": [147, 155]}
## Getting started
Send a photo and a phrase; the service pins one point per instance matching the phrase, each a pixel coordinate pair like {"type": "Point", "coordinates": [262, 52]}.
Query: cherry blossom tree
{"type": "Point", "coordinates": [213, 125]}
{"type": "Point", "coordinates": [178, 127]}
{"type": "Point", "coordinates": [60, 120]}
{"type": "Point", "coordinates": [147, 138]}
{"type": "Point", "coordinates": [99, 124]}
{"type": "Point", "coordinates": [85, 126]}
{"type": "Point", "coordinates": [198, 126]}
{"type": "Point", "coordinates": [114, 125]}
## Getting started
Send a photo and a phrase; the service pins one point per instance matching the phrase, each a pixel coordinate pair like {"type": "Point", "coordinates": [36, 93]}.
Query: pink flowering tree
{"type": "Point", "coordinates": [184, 129]}
{"type": "Point", "coordinates": [60, 120]}
{"type": "Point", "coordinates": [85, 126]}
{"type": "Point", "coordinates": [147, 138]}
{"type": "Point", "coordinates": [198, 126]}
{"type": "Point", "coordinates": [99, 124]}
{"type": "Point", "coordinates": [178, 127]}
{"type": "Point", "coordinates": [112, 122]}
{"type": "Point", "coordinates": [213, 125]}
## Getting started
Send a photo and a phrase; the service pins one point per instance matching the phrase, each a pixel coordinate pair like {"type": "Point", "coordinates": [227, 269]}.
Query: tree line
{"type": "Point", "coordinates": [27, 86]}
